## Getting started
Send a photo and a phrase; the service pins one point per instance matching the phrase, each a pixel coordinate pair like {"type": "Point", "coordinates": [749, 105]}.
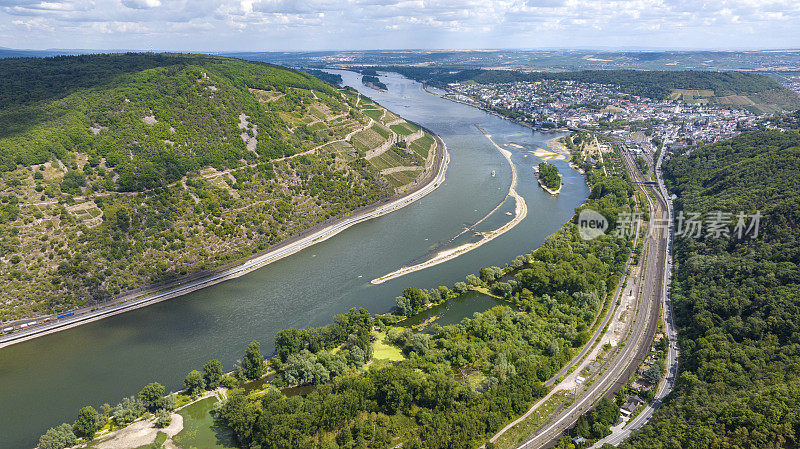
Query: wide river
{"type": "Point", "coordinates": [43, 382]}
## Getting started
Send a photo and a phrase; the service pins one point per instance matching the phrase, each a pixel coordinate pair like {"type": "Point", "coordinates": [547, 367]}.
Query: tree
{"type": "Point", "coordinates": [253, 362]}
{"type": "Point", "coordinates": [194, 382]}
{"type": "Point", "coordinates": [418, 343]}
{"type": "Point", "coordinates": [170, 403]}
{"type": "Point", "coordinates": [86, 424]}
{"type": "Point", "coordinates": [152, 396]}
{"type": "Point", "coordinates": [212, 373]}
{"type": "Point", "coordinates": [58, 438]}
{"type": "Point", "coordinates": [653, 374]}
{"type": "Point", "coordinates": [239, 415]}
{"type": "Point", "coordinates": [163, 418]}
{"type": "Point", "coordinates": [128, 410]}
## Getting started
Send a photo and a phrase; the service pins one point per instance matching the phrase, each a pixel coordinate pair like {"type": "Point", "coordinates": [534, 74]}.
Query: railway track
{"type": "Point", "coordinates": [626, 360]}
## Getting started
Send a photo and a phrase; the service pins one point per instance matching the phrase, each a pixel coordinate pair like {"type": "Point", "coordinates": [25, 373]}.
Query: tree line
{"type": "Point", "coordinates": [736, 299]}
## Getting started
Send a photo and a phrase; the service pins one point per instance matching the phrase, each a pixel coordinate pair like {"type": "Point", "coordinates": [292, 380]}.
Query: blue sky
{"type": "Point", "coordinates": [268, 25]}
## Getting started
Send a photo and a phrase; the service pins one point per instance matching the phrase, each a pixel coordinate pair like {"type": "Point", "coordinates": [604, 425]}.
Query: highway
{"type": "Point", "coordinates": [280, 251]}
{"type": "Point", "coordinates": [622, 365]}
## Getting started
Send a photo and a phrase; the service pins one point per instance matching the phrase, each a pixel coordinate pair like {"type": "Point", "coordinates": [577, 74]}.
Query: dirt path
{"type": "Point", "coordinates": [387, 171]}
{"type": "Point", "coordinates": [140, 433]}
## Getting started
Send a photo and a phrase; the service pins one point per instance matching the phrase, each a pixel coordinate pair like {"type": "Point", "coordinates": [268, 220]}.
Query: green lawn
{"type": "Point", "coordinates": [381, 350]}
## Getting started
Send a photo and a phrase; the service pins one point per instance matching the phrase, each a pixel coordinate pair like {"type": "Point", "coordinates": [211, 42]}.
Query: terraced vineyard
{"type": "Point", "coordinates": [187, 166]}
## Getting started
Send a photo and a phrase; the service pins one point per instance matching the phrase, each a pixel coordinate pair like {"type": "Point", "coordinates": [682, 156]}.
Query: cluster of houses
{"type": "Point", "coordinates": [604, 108]}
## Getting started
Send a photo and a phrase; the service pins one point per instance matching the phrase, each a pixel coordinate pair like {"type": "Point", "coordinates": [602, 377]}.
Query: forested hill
{"type": "Point", "coordinates": [737, 301]}
{"type": "Point", "coordinates": [657, 84]}
{"type": "Point", "coordinates": [119, 171]}
{"type": "Point", "coordinates": [48, 106]}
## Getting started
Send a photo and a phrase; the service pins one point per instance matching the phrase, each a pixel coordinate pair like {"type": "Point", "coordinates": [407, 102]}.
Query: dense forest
{"type": "Point", "coordinates": [127, 170]}
{"type": "Point", "coordinates": [333, 78]}
{"type": "Point", "coordinates": [50, 113]}
{"type": "Point", "coordinates": [736, 298]}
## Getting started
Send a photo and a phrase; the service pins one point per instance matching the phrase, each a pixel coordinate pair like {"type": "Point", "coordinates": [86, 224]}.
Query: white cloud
{"type": "Point", "coordinates": [142, 4]}
{"type": "Point", "coordinates": [326, 24]}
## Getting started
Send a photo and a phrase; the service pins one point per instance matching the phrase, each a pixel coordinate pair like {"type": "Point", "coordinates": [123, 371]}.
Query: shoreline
{"type": "Point", "coordinates": [520, 212]}
{"type": "Point", "coordinates": [149, 295]}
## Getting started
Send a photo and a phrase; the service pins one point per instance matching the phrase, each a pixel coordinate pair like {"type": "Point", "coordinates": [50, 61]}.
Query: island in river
{"type": "Point", "coordinates": [95, 360]}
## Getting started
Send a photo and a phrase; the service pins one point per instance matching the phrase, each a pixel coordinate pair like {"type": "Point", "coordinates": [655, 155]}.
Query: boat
{"type": "Point", "coordinates": [493, 173]}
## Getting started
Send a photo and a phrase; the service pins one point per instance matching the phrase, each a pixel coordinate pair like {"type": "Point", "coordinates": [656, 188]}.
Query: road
{"type": "Point", "coordinates": [672, 335]}
{"type": "Point", "coordinates": [280, 251]}
{"type": "Point", "coordinates": [627, 359]}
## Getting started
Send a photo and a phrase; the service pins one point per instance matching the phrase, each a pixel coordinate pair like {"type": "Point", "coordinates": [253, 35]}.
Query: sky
{"type": "Point", "coordinates": [286, 25]}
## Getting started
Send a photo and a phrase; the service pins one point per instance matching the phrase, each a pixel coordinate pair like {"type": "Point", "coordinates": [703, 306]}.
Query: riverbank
{"type": "Point", "coordinates": [520, 212]}
{"type": "Point", "coordinates": [158, 293]}
{"type": "Point", "coordinates": [557, 147]}
{"type": "Point", "coordinates": [483, 108]}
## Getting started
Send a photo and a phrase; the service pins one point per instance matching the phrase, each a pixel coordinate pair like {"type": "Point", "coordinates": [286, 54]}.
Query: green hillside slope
{"type": "Point", "coordinates": [118, 171]}
{"type": "Point", "coordinates": [737, 301]}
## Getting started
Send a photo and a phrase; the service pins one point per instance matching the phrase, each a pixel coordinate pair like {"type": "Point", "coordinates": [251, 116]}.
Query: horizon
{"type": "Point", "coordinates": [77, 50]}
{"type": "Point", "coordinates": [221, 26]}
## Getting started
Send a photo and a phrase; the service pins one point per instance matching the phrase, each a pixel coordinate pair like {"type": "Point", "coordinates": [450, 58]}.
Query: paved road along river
{"type": "Point", "coordinates": [44, 381]}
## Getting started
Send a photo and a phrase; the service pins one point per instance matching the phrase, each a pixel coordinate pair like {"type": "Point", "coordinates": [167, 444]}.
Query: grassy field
{"type": "Point", "coordinates": [404, 129]}
{"type": "Point", "coordinates": [381, 350]}
{"type": "Point", "coordinates": [369, 137]}
{"type": "Point", "coordinates": [422, 146]}
{"type": "Point", "coordinates": [405, 177]}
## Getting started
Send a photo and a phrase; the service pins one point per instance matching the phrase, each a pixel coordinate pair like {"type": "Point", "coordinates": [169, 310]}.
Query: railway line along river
{"type": "Point", "coordinates": [44, 381]}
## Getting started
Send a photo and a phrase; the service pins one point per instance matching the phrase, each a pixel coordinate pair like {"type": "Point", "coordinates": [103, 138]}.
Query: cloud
{"type": "Point", "coordinates": [141, 4]}
{"type": "Point", "coordinates": [330, 24]}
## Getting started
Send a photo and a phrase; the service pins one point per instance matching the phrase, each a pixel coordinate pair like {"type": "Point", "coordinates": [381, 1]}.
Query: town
{"type": "Point", "coordinates": [601, 107]}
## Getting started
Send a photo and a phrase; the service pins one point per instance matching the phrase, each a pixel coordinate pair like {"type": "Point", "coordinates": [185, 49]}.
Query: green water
{"type": "Point", "coordinates": [452, 311]}
{"type": "Point", "coordinates": [199, 429]}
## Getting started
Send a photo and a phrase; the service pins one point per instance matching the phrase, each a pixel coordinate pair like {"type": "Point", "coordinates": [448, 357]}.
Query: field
{"type": "Point", "coordinates": [381, 350]}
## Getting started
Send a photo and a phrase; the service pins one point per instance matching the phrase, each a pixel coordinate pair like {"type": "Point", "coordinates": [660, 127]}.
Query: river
{"type": "Point", "coordinates": [43, 382]}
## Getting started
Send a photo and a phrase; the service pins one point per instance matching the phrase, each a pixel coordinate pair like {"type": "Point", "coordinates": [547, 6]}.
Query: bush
{"type": "Point", "coordinates": [86, 424]}
{"type": "Point", "coordinates": [58, 438]}
{"type": "Point", "coordinates": [163, 418]}
{"type": "Point", "coordinates": [170, 403]}
{"type": "Point", "coordinates": [152, 396]}
{"type": "Point", "coordinates": [228, 381]}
